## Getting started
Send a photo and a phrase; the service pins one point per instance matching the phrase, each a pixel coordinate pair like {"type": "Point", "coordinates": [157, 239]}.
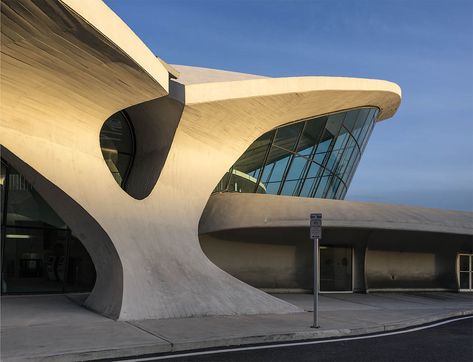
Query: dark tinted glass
{"type": "Point", "coordinates": [116, 134]}
{"type": "Point", "coordinates": [350, 119]}
{"type": "Point", "coordinates": [334, 123]}
{"type": "Point", "coordinates": [311, 135]}
{"type": "Point", "coordinates": [38, 255]}
{"type": "Point", "coordinates": [34, 260]}
{"type": "Point", "coordinates": [242, 182]}
{"type": "Point", "coordinates": [312, 158]}
{"type": "Point", "coordinates": [286, 137]}
{"type": "Point", "coordinates": [325, 142]}
{"type": "Point", "coordinates": [335, 269]}
{"type": "Point", "coordinates": [250, 163]}
{"type": "Point", "coordinates": [117, 144]}
{"type": "Point", "coordinates": [26, 207]}
{"type": "Point", "coordinates": [465, 280]}
{"type": "Point", "coordinates": [3, 180]}
{"type": "Point", "coordinates": [464, 262]}
{"type": "Point", "coordinates": [360, 121]}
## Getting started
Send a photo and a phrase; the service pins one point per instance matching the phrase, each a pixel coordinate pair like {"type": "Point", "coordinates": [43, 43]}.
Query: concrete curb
{"type": "Point", "coordinates": [235, 341]}
{"type": "Point", "coordinates": [312, 334]}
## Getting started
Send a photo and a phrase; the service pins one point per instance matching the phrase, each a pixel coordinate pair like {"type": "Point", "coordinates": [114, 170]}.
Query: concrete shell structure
{"type": "Point", "coordinates": [395, 247]}
{"type": "Point", "coordinates": [66, 67]}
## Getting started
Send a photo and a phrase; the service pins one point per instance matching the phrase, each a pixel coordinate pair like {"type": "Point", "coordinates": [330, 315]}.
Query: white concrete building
{"type": "Point", "coordinates": [160, 189]}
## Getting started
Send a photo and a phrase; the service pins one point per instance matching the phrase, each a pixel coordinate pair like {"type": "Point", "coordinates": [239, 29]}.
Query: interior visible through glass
{"type": "Point", "coordinates": [39, 252]}
{"type": "Point", "coordinates": [310, 158]}
{"type": "Point", "coordinates": [118, 148]}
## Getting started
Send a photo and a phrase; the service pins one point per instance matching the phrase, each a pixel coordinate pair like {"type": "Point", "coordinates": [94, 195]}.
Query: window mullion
{"type": "Point", "coordinates": [289, 163]}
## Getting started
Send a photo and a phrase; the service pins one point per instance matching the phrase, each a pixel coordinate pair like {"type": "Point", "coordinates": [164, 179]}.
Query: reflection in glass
{"type": "Point", "coordinates": [312, 158]}
{"type": "Point", "coordinates": [39, 253]}
{"type": "Point", "coordinates": [274, 169]}
{"type": "Point", "coordinates": [310, 136]}
{"type": "Point", "coordinates": [3, 181]}
{"type": "Point", "coordinates": [294, 176]}
{"type": "Point", "coordinates": [118, 148]}
{"type": "Point", "coordinates": [287, 137]}
{"type": "Point", "coordinates": [26, 208]}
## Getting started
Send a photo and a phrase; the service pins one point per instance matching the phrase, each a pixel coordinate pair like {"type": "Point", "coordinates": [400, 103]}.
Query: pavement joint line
{"type": "Point", "coordinates": [157, 335]}
{"type": "Point", "coordinates": [416, 300]}
{"type": "Point", "coordinates": [360, 303]}
{"type": "Point", "coordinates": [294, 344]}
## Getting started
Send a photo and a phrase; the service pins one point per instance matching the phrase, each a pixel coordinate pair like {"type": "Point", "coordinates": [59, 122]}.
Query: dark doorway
{"type": "Point", "coordinates": [336, 269]}
{"type": "Point", "coordinates": [39, 252]}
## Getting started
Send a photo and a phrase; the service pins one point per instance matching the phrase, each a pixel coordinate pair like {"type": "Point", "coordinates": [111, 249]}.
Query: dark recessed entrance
{"type": "Point", "coordinates": [39, 252]}
{"type": "Point", "coordinates": [465, 272]}
{"type": "Point", "coordinates": [336, 269]}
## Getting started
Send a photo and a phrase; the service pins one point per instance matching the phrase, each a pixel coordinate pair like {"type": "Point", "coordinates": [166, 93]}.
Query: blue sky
{"type": "Point", "coordinates": [424, 154]}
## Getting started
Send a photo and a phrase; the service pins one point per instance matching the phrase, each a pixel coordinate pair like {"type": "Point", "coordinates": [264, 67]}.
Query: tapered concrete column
{"type": "Point", "coordinates": [61, 77]}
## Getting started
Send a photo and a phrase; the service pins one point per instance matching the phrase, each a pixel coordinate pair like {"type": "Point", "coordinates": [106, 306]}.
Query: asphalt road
{"type": "Point", "coordinates": [446, 343]}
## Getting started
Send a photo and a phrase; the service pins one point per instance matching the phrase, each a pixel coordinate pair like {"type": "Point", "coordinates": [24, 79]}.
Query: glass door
{"type": "Point", "coordinates": [38, 252]}
{"type": "Point", "coordinates": [336, 269]}
{"type": "Point", "coordinates": [34, 260]}
{"type": "Point", "coordinates": [465, 272]}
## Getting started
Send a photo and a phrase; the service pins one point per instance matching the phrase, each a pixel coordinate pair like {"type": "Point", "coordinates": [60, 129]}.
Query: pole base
{"type": "Point", "coordinates": [314, 326]}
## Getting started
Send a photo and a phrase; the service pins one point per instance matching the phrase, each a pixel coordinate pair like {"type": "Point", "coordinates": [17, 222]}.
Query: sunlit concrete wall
{"type": "Point", "coordinates": [61, 77]}
{"type": "Point", "coordinates": [80, 65]}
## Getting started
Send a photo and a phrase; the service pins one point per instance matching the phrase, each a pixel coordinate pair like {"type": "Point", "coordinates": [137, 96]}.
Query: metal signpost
{"type": "Point", "coordinates": [316, 235]}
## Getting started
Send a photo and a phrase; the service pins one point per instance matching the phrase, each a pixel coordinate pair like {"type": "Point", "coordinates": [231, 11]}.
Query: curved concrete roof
{"type": "Point", "coordinates": [205, 85]}
{"type": "Point", "coordinates": [98, 15]}
{"type": "Point", "coordinates": [193, 75]}
{"type": "Point", "coordinates": [227, 211]}
{"type": "Point", "coordinates": [321, 94]}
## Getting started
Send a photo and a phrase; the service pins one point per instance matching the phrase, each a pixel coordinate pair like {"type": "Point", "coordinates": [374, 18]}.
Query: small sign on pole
{"type": "Point", "coordinates": [315, 226]}
{"type": "Point", "coordinates": [316, 235]}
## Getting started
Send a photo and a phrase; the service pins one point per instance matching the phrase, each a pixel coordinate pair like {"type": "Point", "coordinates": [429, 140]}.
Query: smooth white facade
{"type": "Point", "coordinates": [60, 84]}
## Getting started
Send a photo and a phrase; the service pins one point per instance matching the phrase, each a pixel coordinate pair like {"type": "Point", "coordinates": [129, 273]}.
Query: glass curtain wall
{"type": "Point", "coordinates": [39, 253]}
{"type": "Point", "coordinates": [312, 158]}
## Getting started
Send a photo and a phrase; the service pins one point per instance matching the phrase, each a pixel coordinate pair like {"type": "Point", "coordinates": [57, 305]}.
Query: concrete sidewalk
{"type": "Point", "coordinates": [56, 327]}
